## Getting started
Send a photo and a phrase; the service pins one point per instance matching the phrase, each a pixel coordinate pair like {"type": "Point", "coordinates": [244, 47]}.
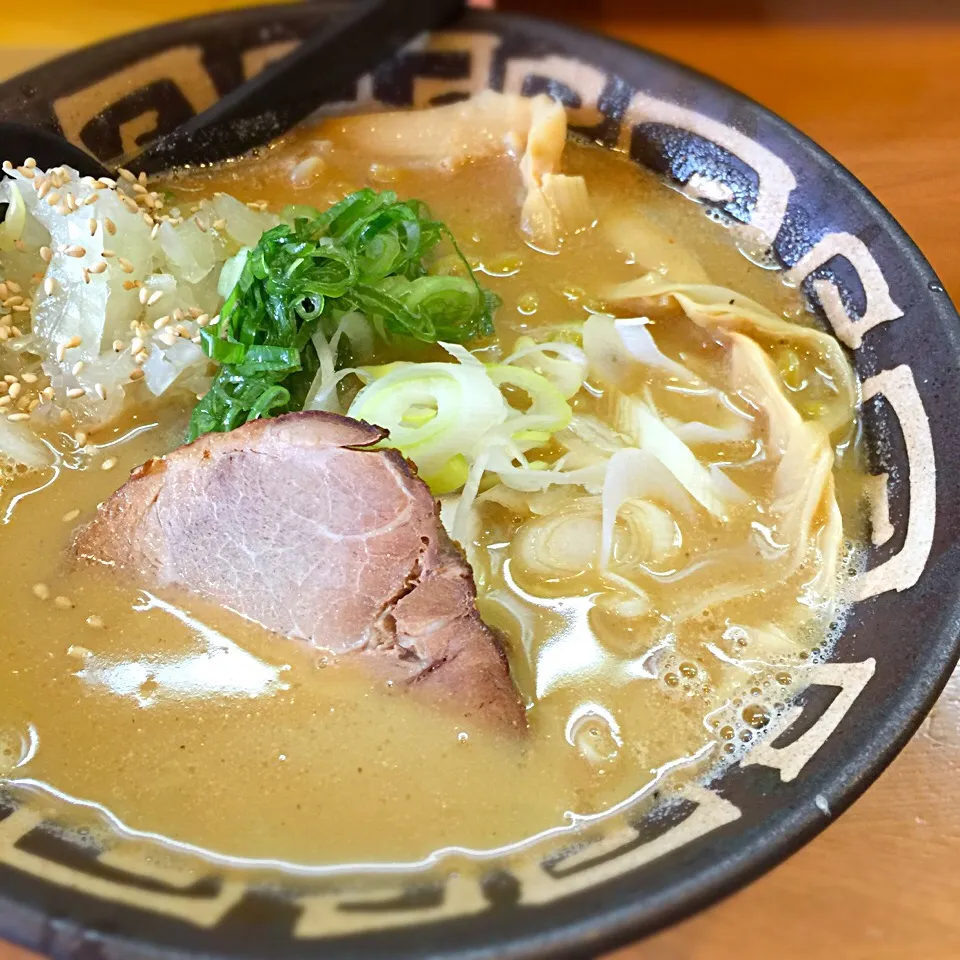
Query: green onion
{"type": "Point", "coordinates": [366, 253]}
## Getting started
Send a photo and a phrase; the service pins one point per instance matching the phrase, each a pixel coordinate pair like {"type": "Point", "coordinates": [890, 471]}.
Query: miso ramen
{"type": "Point", "coordinates": [639, 439]}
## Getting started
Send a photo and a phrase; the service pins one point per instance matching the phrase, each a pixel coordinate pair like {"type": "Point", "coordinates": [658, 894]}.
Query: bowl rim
{"type": "Point", "coordinates": [779, 835]}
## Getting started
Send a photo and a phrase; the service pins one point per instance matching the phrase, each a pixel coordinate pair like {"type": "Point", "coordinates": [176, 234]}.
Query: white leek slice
{"type": "Point", "coordinates": [466, 403]}
{"type": "Point", "coordinates": [616, 349]}
{"type": "Point", "coordinates": [652, 435]}
{"type": "Point", "coordinates": [548, 411]}
{"type": "Point", "coordinates": [563, 364]}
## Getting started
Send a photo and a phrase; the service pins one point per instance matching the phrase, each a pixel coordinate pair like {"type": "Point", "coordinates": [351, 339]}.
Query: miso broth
{"type": "Point", "coordinates": [160, 708]}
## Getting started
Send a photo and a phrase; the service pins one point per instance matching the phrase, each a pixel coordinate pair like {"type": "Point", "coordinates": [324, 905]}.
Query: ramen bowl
{"type": "Point", "coordinates": [795, 209]}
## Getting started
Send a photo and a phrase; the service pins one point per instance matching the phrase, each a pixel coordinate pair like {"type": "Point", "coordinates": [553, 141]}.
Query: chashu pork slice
{"type": "Point", "coordinates": [297, 524]}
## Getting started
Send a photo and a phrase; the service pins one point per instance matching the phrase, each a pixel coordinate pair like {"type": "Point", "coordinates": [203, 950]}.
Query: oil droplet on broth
{"type": "Point", "coordinates": [756, 715]}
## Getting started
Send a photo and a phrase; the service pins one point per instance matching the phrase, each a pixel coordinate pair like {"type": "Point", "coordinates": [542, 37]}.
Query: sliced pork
{"type": "Point", "coordinates": [297, 524]}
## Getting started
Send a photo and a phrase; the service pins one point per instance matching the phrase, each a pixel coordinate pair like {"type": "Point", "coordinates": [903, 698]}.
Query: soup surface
{"type": "Point", "coordinates": [649, 667]}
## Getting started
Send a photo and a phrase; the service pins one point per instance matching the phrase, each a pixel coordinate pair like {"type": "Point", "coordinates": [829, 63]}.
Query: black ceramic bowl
{"type": "Point", "coordinates": [873, 288]}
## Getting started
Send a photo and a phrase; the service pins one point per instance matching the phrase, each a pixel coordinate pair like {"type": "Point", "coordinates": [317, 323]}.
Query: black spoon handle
{"type": "Point", "coordinates": [291, 88]}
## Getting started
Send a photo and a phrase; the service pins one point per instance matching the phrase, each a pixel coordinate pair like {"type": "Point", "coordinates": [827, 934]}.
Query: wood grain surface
{"type": "Point", "coordinates": [878, 85]}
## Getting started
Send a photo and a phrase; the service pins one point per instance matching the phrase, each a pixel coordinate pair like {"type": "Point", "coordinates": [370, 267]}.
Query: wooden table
{"type": "Point", "coordinates": [880, 90]}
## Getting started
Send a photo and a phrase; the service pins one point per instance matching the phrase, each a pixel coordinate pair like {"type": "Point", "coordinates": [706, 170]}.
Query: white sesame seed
{"type": "Point", "coordinates": [29, 377]}
{"type": "Point", "coordinates": [64, 603]}
{"type": "Point", "coordinates": [92, 226]}
{"type": "Point", "coordinates": [109, 463]}
{"type": "Point", "coordinates": [5, 401]}
{"type": "Point", "coordinates": [100, 390]}
{"type": "Point", "coordinates": [107, 181]}
{"type": "Point", "coordinates": [107, 253]}
{"type": "Point", "coordinates": [48, 393]}
{"type": "Point", "coordinates": [136, 374]}
{"type": "Point", "coordinates": [29, 163]}
{"type": "Point", "coordinates": [161, 322]}
{"type": "Point", "coordinates": [15, 389]}
{"type": "Point", "coordinates": [75, 250]}
{"type": "Point", "coordinates": [136, 345]}
{"type": "Point", "coordinates": [154, 297]}
{"type": "Point", "coordinates": [49, 285]}
{"type": "Point", "coordinates": [99, 266]}
{"type": "Point", "coordinates": [126, 174]}
{"type": "Point", "coordinates": [71, 515]}
{"type": "Point", "coordinates": [53, 198]}
{"type": "Point", "coordinates": [18, 417]}
{"type": "Point", "coordinates": [125, 265]}
{"type": "Point", "coordinates": [74, 393]}
{"type": "Point", "coordinates": [144, 293]}
{"type": "Point", "coordinates": [94, 621]}
{"type": "Point", "coordinates": [117, 346]}
{"type": "Point", "coordinates": [74, 341]}
{"type": "Point", "coordinates": [110, 225]}
{"type": "Point", "coordinates": [46, 254]}
{"type": "Point", "coordinates": [77, 368]}
{"type": "Point", "coordinates": [41, 591]}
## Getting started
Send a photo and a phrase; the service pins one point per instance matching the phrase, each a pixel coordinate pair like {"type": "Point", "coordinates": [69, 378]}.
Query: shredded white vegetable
{"type": "Point", "coordinates": [116, 290]}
